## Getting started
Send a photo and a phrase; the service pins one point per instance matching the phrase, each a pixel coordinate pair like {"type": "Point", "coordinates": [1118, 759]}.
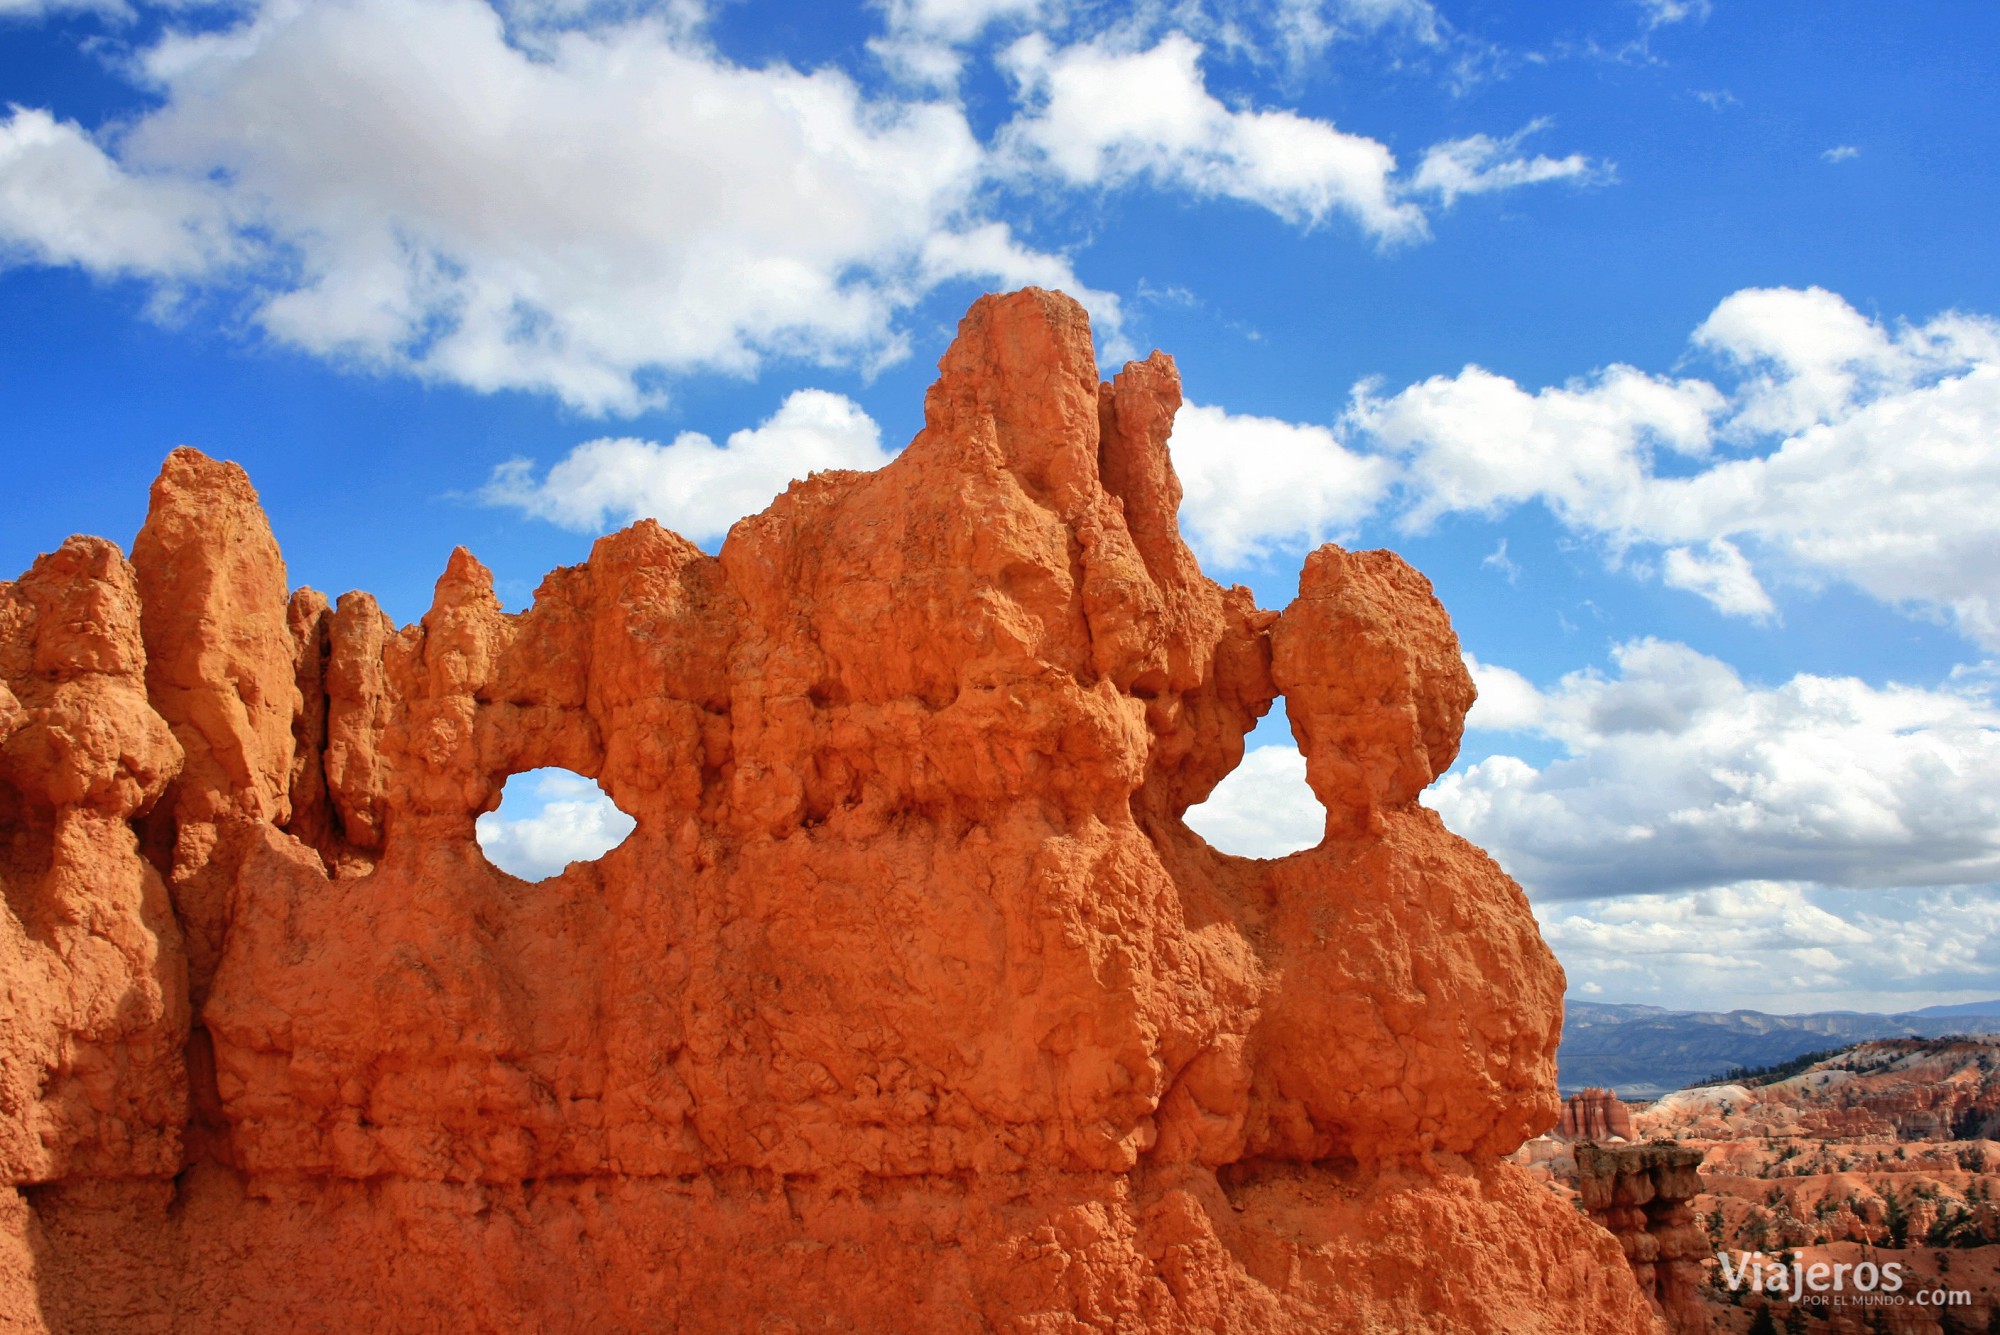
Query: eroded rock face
{"type": "Point", "coordinates": [909, 1004]}
{"type": "Point", "coordinates": [1642, 1194]}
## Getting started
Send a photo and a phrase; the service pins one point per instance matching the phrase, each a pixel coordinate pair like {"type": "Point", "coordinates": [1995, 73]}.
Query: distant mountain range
{"type": "Point", "coordinates": [1643, 1052]}
{"type": "Point", "coordinates": [1965, 1008]}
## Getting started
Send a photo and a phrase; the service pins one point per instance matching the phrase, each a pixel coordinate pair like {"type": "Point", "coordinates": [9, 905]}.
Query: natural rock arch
{"type": "Point", "coordinates": [910, 1002]}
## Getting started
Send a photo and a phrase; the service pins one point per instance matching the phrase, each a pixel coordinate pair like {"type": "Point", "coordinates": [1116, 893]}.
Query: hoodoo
{"type": "Point", "coordinates": [910, 1004]}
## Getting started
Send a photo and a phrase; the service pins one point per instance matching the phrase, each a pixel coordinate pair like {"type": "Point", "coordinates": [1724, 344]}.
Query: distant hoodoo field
{"type": "Point", "coordinates": [910, 1004]}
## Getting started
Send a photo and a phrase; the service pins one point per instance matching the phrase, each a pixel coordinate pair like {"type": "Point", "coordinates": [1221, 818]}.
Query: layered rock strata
{"type": "Point", "coordinates": [910, 1004]}
{"type": "Point", "coordinates": [1642, 1194]}
{"type": "Point", "coordinates": [1594, 1114]}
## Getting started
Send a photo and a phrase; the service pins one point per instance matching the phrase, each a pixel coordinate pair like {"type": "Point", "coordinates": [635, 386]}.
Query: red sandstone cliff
{"type": "Point", "coordinates": [909, 1005]}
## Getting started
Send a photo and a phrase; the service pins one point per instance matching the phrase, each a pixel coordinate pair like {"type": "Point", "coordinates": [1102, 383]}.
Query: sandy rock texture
{"type": "Point", "coordinates": [910, 1004]}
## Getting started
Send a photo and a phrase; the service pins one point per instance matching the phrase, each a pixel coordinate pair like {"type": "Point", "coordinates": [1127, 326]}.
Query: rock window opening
{"type": "Point", "coordinates": [548, 819]}
{"type": "Point", "coordinates": [1263, 808]}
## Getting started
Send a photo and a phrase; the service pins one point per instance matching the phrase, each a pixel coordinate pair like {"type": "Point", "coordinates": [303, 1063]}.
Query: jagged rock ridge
{"type": "Point", "coordinates": [909, 1005]}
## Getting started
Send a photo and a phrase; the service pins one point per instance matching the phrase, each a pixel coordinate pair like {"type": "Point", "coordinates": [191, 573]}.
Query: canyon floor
{"type": "Point", "coordinates": [1884, 1153]}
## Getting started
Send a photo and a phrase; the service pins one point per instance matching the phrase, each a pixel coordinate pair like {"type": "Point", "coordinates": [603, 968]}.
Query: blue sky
{"type": "Point", "coordinates": [1664, 336]}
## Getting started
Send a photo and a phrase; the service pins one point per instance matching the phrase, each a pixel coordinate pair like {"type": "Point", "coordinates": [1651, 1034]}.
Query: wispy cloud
{"type": "Point", "coordinates": [1662, 13]}
{"type": "Point", "coordinates": [1479, 164]}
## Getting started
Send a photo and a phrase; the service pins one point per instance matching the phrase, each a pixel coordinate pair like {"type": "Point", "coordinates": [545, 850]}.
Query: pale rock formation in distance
{"type": "Point", "coordinates": [910, 1004]}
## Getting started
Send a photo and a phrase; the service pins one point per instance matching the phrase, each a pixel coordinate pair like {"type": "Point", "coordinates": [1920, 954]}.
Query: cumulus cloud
{"type": "Point", "coordinates": [1264, 808]}
{"type": "Point", "coordinates": [1721, 574]}
{"type": "Point", "coordinates": [1780, 946]}
{"type": "Point", "coordinates": [1678, 775]}
{"type": "Point", "coordinates": [1832, 447]}
{"type": "Point", "coordinates": [1253, 482]}
{"type": "Point", "coordinates": [1818, 843]}
{"type": "Point", "coordinates": [548, 819]}
{"type": "Point", "coordinates": [1478, 442]}
{"type": "Point", "coordinates": [1106, 112]}
{"type": "Point", "coordinates": [1840, 153]}
{"type": "Point", "coordinates": [1508, 701]}
{"type": "Point", "coordinates": [924, 41]}
{"type": "Point", "coordinates": [693, 486]}
{"type": "Point", "coordinates": [612, 207]}
{"type": "Point", "coordinates": [1807, 356]}
{"type": "Point", "coordinates": [1101, 114]}
{"type": "Point", "coordinates": [585, 198]}
{"type": "Point", "coordinates": [64, 201]}
{"type": "Point", "coordinates": [1844, 449]}
{"type": "Point", "coordinates": [617, 203]}
{"type": "Point", "coordinates": [1479, 164]}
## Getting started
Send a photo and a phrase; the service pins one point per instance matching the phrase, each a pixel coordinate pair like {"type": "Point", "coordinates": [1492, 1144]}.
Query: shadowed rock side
{"type": "Point", "coordinates": [1642, 1193]}
{"type": "Point", "coordinates": [909, 1005]}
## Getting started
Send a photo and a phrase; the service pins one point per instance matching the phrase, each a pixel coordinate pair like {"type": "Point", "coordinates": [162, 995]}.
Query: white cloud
{"type": "Point", "coordinates": [1508, 701]}
{"type": "Point", "coordinates": [1780, 946]}
{"type": "Point", "coordinates": [957, 21]}
{"type": "Point", "coordinates": [992, 250]}
{"type": "Point", "coordinates": [1807, 354]}
{"type": "Point", "coordinates": [619, 205]}
{"type": "Point", "coordinates": [1103, 115]}
{"type": "Point", "coordinates": [1252, 482]}
{"type": "Point", "coordinates": [1497, 559]}
{"type": "Point", "coordinates": [1840, 153]}
{"type": "Point", "coordinates": [1264, 808]}
{"type": "Point", "coordinates": [1660, 13]}
{"type": "Point", "coordinates": [694, 486]}
{"type": "Point", "coordinates": [1479, 164]}
{"type": "Point", "coordinates": [1308, 27]}
{"type": "Point", "coordinates": [615, 206]}
{"type": "Point", "coordinates": [1703, 841]}
{"type": "Point", "coordinates": [924, 40]}
{"type": "Point", "coordinates": [1679, 775]}
{"type": "Point", "coordinates": [1720, 574]}
{"type": "Point", "coordinates": [548, 819]}
{"type": "Point", "coordinates": [584, 198]}
{"type": "Point", "coordinates": [63, 201]}
{"type": "Point", "coordinates": [1478, 442]}
{"type": "Point", "coordinates": [1866, 456]}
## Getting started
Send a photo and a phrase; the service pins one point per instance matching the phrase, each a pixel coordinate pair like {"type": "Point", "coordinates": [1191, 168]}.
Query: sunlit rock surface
{"type": "Point", "coordinates": [909, 1004]}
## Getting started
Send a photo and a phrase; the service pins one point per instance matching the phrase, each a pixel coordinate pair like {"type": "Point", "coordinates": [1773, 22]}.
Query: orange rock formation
{"type": "Point", "coordinates": [1642, 1194]}
{"type": "Point", "coordinates": [1594, 1114]}
{"type": "Point", "coordinates": [909, 1005]}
